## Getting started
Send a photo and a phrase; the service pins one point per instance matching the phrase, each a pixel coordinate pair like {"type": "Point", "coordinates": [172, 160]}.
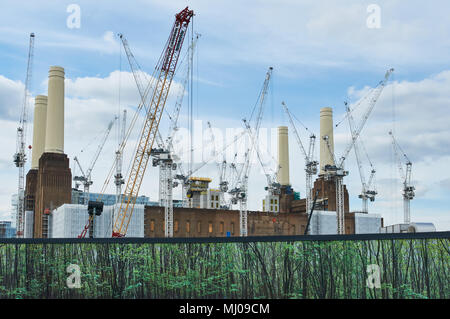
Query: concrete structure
{"type": "Point", "coordinates": [283, 156]}
{"type": "Point", "coordinates": [39, 127]}
{"type": "Point", "coordinates": [28, 224]}
{"type": "Point", "coordinates": [54, 136]}
{"type": "Point", "coordinates": [213, 199]}
{"type": "Point", "coordinates": [271, 203]}
{"type": "Point", "coordinates": [367, 223]}
{"type": "Point", "coordinates": [326, 131]}
{"type": "Point", "coordinates": [78, 197]}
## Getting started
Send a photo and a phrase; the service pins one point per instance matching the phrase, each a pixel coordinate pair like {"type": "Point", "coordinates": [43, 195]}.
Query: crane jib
{"type": "Point", "coordinates": [150, 129]}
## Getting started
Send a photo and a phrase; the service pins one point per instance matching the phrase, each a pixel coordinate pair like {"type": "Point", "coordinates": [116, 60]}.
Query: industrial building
{"type": "Point", "coordinates": [52, 208]}
{"type": "Point", "coordinates": [56, 210]}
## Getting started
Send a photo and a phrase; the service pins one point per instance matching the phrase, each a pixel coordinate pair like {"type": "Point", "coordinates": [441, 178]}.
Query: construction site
{"type": "Point", "coordinates": [50, 203]}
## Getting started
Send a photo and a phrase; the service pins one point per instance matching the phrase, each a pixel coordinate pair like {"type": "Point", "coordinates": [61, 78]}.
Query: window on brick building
{"type": "Point", "coordinates": [152, 225]}
{"type": "Point", "coordinates": [188, 227]}
{"type": "Point", "coordinates": [175, 226]}
{"type": "Point", "coordinates": [210, 227]}
{"type": "Point", "coordinates": [222, 227]}
{"type": "Point", "coordinates": [199, 227]}
{"type": "Point", "coordinates": [232, 228]}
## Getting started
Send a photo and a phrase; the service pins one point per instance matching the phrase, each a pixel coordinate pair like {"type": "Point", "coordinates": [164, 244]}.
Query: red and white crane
{"type": "Point", "coordinates": [165, 71]}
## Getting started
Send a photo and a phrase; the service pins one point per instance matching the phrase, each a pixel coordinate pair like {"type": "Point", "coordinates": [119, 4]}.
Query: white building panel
{"type": "Point", "coordinates": [367, 223]}
{"type": "Point", "coordinates": [28, 224]}
{"type": "Point", "coordinates": [69, 220]}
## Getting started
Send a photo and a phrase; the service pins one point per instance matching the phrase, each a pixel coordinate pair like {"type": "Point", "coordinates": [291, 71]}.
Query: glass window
{"type": "Point", "coordinates": [221, 227]}
{"type": "Point", "coordinates": [210, 227]}
{"type": "Point", "coordinates": [152, 225]}
{"type": "Point", "coordinates": [175, 226]}
{"type": "Point", "coordinates": [232, 228]}
{"type": "Point", "coordinates": [199, 227]}
{"type": "Point", "coordinates": [188, 227]}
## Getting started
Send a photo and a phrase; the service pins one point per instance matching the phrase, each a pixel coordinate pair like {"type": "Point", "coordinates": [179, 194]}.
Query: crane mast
{"type": "Point", "coordinates": [118, 177]}
{"type": "Point", "coordinates": [20, 156]}
{"type": "Point", "coordinates": [240, 192]}
{"type": "Point", "coordinates": [366, 192]}
{"type": "Point", "coordinates": [310, 163]}
{"type": "Point", "coordinates": [408, 189]}
{"type": "Point", "coordinates": [337, 171]}
{"type": "Point", "coordinates": [85, 178]}
{"type": "Point", "coordinates": [165, 70]}
{"type": "Point", "coordinates": [222, 166]}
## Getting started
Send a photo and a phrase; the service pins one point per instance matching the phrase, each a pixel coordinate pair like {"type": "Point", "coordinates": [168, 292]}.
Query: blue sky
{"type": "Point", "coordinates": [322, 52]}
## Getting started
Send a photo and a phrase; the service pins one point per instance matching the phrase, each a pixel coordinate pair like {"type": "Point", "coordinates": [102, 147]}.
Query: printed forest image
{"type": "Point", "coordinates": [408, 268]}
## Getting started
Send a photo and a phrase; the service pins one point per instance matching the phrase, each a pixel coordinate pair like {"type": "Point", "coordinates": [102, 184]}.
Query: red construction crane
{"type": "Point", "coordinates": [165, 71]}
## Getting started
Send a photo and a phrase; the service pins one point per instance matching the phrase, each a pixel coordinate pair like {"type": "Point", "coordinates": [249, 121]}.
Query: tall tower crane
{"type": "Point", "coordinates": [20, 155]}
{"type": "Point", "coordinates": [337, 171]}
{"type": "Point", "coordinates": [310, 163]}
{"type": "Point", "coordinates": [85, 178]}
{"type": "Point", "coordinates": [408, 188]}
{"type": "Point", "coordinates": [240, 191]}
{"type": "Point", "coordinates": [367, 192]}
{"type": "Point", "coordinates": [118, 178]}
{"type": "Point", "coordinates": [166, 70]}
{"type": "Point", "coordinates": [222, 166]}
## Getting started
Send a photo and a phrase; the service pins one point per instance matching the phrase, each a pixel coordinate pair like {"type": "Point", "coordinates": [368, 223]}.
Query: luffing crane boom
{"type": "Point", "coordinates": [408, 188]}
{"type": "Point", "coordinates": [85, 178]}
{"type": "Point", "coordinates": [337, 171]}
{"type": "Point", "coordinates": [20, 156]}
{"type": "Point", "coordinates": [310, 163]}
{"type": "Point", "coordinates": [357, 130]}
{"type": "Point", "coordinates": [240, 192]}
{"type": "Point", "coordinates": [366, 192]}
{"type": "Point", "coordinates": [165, 71]}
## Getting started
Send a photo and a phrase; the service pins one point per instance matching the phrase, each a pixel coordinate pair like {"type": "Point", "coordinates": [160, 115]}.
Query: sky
{"type": "Point", "coordinates": [322, 53]}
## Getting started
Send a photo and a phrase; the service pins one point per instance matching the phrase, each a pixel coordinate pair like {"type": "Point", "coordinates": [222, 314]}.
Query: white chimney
{"type": "Point", "coordinates": [326, 131]}
{"type": "Point", "coordinates": [283, 156]}
{"type": "Point", "coordinates": [54, 135]}
{"type": "Point", "coordinates": [39, 127]}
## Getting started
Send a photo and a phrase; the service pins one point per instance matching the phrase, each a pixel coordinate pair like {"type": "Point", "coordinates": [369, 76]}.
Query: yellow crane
{"type": "Point", "coordinates": [165, 71]}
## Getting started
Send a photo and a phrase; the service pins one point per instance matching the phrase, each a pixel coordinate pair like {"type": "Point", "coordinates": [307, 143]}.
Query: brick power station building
{"type": "Point", "coordinates": [48, 190]}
